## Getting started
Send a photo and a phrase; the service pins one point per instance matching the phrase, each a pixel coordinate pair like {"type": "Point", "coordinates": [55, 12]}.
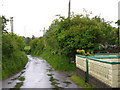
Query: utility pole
{"type": "Point", "coordinates": [69, 7]}
{"type": "Point", "coordinates": [25, 31]}
{"type": "Point", "coordinates": [44, 31]}
{"type": "Point", "coordinates": [11, 22]}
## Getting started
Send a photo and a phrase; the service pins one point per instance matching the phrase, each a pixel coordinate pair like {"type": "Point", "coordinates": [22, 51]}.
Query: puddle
{"type": "Point", "coordinates": [15, 81]}
{"type": "Point", "coordinates": [39, 74]}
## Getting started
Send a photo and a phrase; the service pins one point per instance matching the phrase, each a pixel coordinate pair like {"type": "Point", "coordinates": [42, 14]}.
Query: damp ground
{"type": "Point", "coordinates": [39, 74]}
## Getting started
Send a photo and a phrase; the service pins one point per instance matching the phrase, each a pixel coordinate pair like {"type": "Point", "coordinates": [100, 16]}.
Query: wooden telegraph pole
{"type": "Point", "coordinates": [44, 31]}
{"type": "Point", "coordinates": [69, 5]}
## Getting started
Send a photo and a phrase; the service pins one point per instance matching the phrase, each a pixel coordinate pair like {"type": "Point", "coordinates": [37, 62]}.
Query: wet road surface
{"type": "Point", "coordinates": [39, 74]}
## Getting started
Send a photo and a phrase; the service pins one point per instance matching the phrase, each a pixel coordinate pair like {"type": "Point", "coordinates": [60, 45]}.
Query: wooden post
{"type": "Point", "coordinates": [11, 22]}
{"type": "Point", "coordinates": [69, 8]}
{"type": "Point", "coordinates": [87, 71]}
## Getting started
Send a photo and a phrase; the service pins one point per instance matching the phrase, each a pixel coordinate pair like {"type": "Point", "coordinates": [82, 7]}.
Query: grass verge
{"type": "Point", "coordinates": [27, 48]}
{"type": "Point", "coordinates": [13, 64]}
{"type": "Point", "coordinates": [58, 62]}
{"type": "Point", "coordinates": [78, 80]}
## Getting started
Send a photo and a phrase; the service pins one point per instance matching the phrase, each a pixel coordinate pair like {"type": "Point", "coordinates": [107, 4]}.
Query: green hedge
{"type": "Point", "coordinates": [13, 56]}
{"type": "Point", "coordinates": [13, 64]}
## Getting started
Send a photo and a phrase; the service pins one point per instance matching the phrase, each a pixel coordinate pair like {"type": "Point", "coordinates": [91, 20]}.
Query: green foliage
{"type": "Point", "coordinates": [16, 43]}
{"type": "Point", "coordinates": [85, 33]}
{"type": "Point", "coordinates": [3, 23]}
{"type": "Point", "coordinates": [60, 63]}
{"type": "Point", "coordinates": [0, 48]}
{"type": "Point", "coordinates": [33, 45]}
{"type": "Point", "coordinates": [80, 81]}
{"type": "Point", "coordinates": [28, 39]}
{"type": "Point", "coordinates": [118, 22]}
{"type": "Point", "coordinates": [13, 64]}
{"type": "Point", "coordinates": [82, 52]}
{"type": "Point", "coordinates": [13, 57]}
{"type": "Point", "coordinates": [27, 49]}
{"type": "Point", "coordinates": [66, 35]}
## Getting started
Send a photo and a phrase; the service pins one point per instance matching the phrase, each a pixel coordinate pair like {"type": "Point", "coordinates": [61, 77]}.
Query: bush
{"type": "Point", "coordinates": [13, 64]}
{"type": "Point", "coordinates": [65, 35]}
{"type": "Point", "coordinates": [13, 57]}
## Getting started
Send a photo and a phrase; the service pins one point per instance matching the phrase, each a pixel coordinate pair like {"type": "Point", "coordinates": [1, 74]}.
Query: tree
{"type": "Point", "coordinates": [66, 35]}
{"type": "Point", "coordinates": [3, 23]}
{"type": "Point", "coordinates": [28, 39]}
{"type": "Point", "coordinates": [33, 37]}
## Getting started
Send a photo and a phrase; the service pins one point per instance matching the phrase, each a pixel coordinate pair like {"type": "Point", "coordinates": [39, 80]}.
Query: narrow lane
{"type": "Point", "coordinates": [39, 74]}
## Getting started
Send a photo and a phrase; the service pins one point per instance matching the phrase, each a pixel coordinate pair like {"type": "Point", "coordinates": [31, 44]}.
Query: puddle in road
{"type": "Point", "coordinates": [39, 74]}
{"type": "Point", "coordinates": [15, 81]}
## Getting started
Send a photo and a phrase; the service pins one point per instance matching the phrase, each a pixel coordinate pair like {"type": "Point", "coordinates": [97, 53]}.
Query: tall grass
{"type": "Point", "coordinates": [13, 64]}
{"type": "Point", "coordinates": [27, 49]}
{"type": "Point", "coordinates": [78, 80]}
{"type": "Point", "coordinates": [58, 62]}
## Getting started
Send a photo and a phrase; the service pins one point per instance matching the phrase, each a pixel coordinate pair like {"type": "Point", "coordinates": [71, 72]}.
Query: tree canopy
{"type": "Point", "coordinates": [66, 35]}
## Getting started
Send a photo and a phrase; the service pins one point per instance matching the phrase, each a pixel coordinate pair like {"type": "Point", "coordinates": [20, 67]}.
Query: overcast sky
{"type": "Point", "coordinates": [31, 16]}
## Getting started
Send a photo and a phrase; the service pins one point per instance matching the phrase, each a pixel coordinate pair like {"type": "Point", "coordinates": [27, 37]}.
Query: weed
{"type": "Point", "coordinates": [54, 83]}
{"type": "Point", "coordinates": [56, 87]}
{"type": "Point", "coordinates": [18, 85]}
{"type": "Point", "coordinates": [53, 79]}
{"type": "Point", "coordinates": [67, 82]}
{"type": "Point", "coordinates": [22, 73]}
{"type": "Point", "coordinates": [69, 75]}
{"type": "Point", "coordinates": [50, 69]}
{"type": "Point", "coordinates": [80, 81]}
{"type": "Point", "coordinates": [60, 63]}
{"type": "Point", "coordinates": [9, 82]}
{"type": "Point", "coordinates": [13, 64]}
{"type": "Point", "coordinates": [50, 74]}
{"type": "Point", "coordinates": [21, 78]}
{"type": "Point", "coordinates": [14, 78]}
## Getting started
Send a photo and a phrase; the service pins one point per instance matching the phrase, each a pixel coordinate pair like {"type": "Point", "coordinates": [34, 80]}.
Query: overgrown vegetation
{"type": "Point", "coordinates": [27, 49]}
{"type": "Point", "coordinates": [0, 48]}
{"type": "Point", "coordinates": [60, 63]}
{"type": "Point", "coordinates": [80, 81]}
{"type": "Point", "coordinates": [13, 56]}
{"type": "Point", "coordinates": [65, 35]}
